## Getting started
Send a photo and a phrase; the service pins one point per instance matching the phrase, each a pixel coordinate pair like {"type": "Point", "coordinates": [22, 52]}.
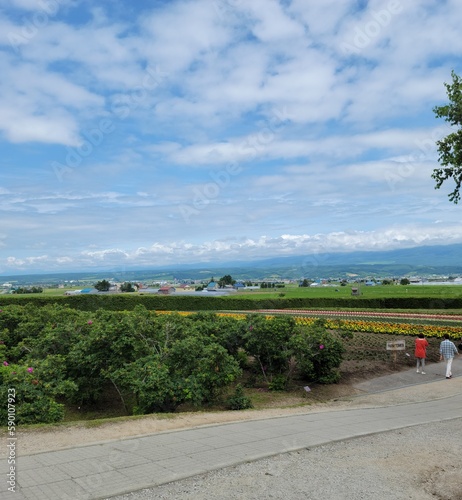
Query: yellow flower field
{"type": "Point", "coordinates": [358, 325]}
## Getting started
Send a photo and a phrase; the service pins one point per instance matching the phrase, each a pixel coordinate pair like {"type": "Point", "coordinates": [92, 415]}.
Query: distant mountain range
{"type": "Point", "coordinates": [438, 255]}
{"type": "Point", "coordinates": [417, 261]}
{"type": "Point", "coordinates": [421, 261]}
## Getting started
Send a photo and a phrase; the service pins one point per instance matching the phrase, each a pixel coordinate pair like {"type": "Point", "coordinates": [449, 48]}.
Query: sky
{"type": "Point", "coordinates": [150, 133]}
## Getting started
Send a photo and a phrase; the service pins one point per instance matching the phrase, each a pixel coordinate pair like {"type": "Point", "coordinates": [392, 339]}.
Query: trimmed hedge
{"type": "Point", "coordinates": [121, 302]}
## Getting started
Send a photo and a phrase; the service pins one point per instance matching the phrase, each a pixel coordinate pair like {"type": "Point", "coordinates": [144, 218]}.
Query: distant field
{"type": "Point", "coordinates": [378, 291]}
{"type": "Point", "coordinates": [294, 291]}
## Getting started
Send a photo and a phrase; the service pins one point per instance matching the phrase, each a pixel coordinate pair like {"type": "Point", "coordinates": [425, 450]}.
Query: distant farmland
{"type": "Point", "coordinates": [378, 291]}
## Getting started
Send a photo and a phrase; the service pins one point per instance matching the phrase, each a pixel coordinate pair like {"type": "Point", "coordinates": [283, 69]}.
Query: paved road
{"type": "Point", "coordinates": [110, 468]}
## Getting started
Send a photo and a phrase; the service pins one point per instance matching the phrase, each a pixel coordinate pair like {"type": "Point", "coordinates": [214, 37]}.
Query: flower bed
{"type": "Point", "coordinates": [360, 325]}
{"type": "Point", "coordinates": [421, 317]}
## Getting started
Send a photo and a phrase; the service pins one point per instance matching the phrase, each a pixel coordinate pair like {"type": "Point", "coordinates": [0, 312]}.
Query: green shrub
{"type": "Point", "coordinates": [267, 340]}
{"type": "Point", "coordinates": [318, 353]}
{"type": "Point", "coordinates": [278, 383]}
{"type": "Point", "coordinates": [238, 400]}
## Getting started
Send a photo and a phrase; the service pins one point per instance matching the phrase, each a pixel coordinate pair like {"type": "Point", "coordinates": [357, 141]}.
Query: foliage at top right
{"type": "Point", "coordinates": [450, 147]}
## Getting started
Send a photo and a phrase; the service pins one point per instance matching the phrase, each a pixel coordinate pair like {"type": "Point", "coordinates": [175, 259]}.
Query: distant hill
{"type": "Point", "coordinates": [426, 260]}
{"type": "Point", "coordinates": [420, 261]}
{"type": "Point", "coordinates": [438, 255]}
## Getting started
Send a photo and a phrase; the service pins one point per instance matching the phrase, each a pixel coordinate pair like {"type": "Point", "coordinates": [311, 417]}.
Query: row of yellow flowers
{"type": "Point", "coordinates": [362, 326]}
{"type": "Point", "coordinates": [389, 328]}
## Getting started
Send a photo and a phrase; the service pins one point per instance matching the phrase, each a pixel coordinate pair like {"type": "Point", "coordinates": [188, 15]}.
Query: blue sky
{"type": "Point", "coordinates": [149, 133]}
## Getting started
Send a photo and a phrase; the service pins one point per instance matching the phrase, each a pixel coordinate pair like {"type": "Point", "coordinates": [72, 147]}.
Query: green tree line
{"type": "Point", "coordinates": [55, 355]}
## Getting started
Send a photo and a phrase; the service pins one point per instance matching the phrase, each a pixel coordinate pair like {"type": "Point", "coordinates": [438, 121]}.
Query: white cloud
{"type": "Point", "coordinates": [269, 141]}
{"type": "Point", "coordinates": [35, 105]}
{"type": "Point", "coordinates": [25, 127]}
{"type": "Point", "coordinates": [315, 248]}
{"type": "Point", "coordinates": [272, 24]}
{"type": "Point", "coordinates": [201, 33]}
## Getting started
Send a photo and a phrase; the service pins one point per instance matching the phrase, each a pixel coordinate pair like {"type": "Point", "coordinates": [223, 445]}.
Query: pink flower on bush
{"type": "Point", "coordinates": [5, 363]}
{"type": "Point", "coordinates": [90, 322]}
{"type": "Point", "coordinates": [321, 346]}
{"type": "Point", "coordinates": [30, 369]}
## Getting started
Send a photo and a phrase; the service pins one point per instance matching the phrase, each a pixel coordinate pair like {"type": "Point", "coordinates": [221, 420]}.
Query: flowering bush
{"type": "Point", "coordinates": [36, 394]}
{"type": "Point", "coordinates": [318, 352]}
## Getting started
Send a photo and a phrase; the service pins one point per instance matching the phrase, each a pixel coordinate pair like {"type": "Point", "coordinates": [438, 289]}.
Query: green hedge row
{"type": "Point", "coordinates": [128, 302]}
{"type": "Point", "coordinates": [53, 356]}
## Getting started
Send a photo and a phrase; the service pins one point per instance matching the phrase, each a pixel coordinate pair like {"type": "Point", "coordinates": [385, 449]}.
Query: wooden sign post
{"type": "Point", "coordinates": [395, 346]}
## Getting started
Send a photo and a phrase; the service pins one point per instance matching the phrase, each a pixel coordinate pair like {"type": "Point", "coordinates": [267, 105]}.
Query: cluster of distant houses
{"type": "Point", "coordinates": [167, 289]}
{"type": "Point", "coordinates": [213, 286]}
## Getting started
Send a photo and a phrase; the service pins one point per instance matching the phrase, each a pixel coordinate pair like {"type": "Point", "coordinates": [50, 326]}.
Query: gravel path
{"type": "Point", "coordinates": [415, 463]}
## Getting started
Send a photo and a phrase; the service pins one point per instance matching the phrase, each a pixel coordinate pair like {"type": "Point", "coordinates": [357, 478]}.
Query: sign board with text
{"type": "Point", "coordinates": [396, 345]}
